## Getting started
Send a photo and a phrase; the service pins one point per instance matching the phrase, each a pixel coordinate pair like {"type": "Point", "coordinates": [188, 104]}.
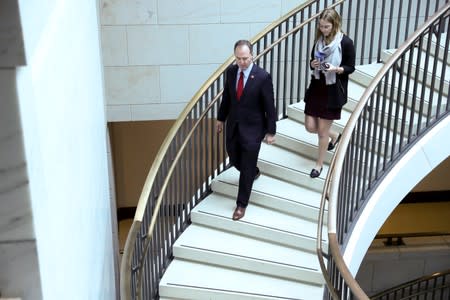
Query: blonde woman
{"type": "Point", "coordinates": [332, 60]}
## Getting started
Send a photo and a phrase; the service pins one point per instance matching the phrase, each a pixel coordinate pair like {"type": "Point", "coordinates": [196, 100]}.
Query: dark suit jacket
{"type": "Point", "coordinates": [254, 114]}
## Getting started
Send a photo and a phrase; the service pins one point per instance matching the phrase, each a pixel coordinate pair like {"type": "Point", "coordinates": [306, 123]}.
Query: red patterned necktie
{"type": "Point", "coordinates": [240, 86]}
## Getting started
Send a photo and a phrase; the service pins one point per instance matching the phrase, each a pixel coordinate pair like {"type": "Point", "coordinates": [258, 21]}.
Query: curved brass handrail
{"type": "Point", "coordinates": [333, 177]}
{"type": "Point", "coordinates": [412, 283]}
{"type": "Point", "coordinates": [126, 264]}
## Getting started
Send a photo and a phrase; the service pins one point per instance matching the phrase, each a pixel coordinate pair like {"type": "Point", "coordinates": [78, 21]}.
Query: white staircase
{"type": "Point", "coordinates": [270, 253]}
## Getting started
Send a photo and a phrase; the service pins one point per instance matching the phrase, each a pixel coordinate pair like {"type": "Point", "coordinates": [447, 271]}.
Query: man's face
{"type": "Point", "coordinates": [243, 57]}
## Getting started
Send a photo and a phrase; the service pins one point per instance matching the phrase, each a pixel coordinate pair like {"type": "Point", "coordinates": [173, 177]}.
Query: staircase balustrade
{"type": "Point", "coordinates": [372, 144]}
{"type": "Point", "coordinates": [192, 154]}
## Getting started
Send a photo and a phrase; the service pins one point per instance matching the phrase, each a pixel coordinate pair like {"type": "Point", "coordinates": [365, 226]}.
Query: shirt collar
{"type": "Point", "coordinates": [247, 71]}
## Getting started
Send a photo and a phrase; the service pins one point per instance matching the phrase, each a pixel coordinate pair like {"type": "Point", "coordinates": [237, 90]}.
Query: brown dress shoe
{"type": "Point", "coordinates": [239, 213]}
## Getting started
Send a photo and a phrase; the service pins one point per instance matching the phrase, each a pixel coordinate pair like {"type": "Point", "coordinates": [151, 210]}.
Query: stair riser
{"type": "Point", "coordinates": [251, 265]}
{"type": "Point", "coordinates": [367, 79]}
{"type": "Point", "coordinates": [265, 200]}
{"type": "Point", "coordinates": [350, 105]}
{"type": "Point", "coordinates": [390, 121]}
{"type": "Point", "coordinates": [433, 48]}
{"type": "Point", "coordinates": [255, 231]}
{"type": "Point", "coordinates": [361, 78]}
{"type": "Point", "coordinates": [432, 53]}
{"type": "Point", "coordinates": [301, 148]}
{"type": "Point", "coordinates": [299, 116]}
{"type": "Point", "coordinates": [180, 292]}
{"type": "Point", "coordinates": [293, 176]}
{"type": "Point", "coordinates": [429, 78]}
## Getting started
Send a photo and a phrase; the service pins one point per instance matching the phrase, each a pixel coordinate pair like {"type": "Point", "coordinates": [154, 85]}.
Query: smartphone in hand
{"type": "Point", "coordinates": [324, 66]}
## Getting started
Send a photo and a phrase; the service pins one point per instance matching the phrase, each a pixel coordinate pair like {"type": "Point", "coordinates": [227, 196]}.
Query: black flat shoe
{"type": "Point", "coordinates": [331, 145]}
{"type": "Point", "coordinates": [315, 173]}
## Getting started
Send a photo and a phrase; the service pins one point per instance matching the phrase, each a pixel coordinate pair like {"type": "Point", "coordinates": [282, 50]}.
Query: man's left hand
{"type": "Point", "coordinates": [269, 138]}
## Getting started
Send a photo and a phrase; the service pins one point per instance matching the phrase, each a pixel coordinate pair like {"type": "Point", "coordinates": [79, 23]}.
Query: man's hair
{"type": "Point", "coordinates": [244, 43]}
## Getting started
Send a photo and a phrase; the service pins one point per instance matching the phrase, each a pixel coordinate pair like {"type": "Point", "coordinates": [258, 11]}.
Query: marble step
{"type": "Point", "coordinates": [293, 136]}
{"type": "Point", "coordinates": [430, 76]}
{"type": "Point", "coordinates": [259, 222]}
{"type": "Point", "coordinates": [191, 280]}
{"type": "Point", "coordinates": [272, 193]}
{"type": "Point", "coordinates": [365, 74]}
{"type": "Point", "coordinates": [393, 113]}
{"type": "Point", "coordinates": [296, 112]}
{"type": "Point", "coordinates": [433, 47]}
{"type": "Point", "coordinates": [289, 166]}
{"type": "Point", "coordinates": [217, 247]}
{"type": "Point", "coordinates": [355, 91]}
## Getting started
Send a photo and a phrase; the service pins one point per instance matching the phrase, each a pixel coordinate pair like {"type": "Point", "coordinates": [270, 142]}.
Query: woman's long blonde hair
{"type": "Point", "coordinates": [332, 16]}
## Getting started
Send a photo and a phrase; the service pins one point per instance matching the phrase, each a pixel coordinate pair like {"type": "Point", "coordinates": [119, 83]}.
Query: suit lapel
{"type": "Point", "coordinates": [232, 81]}
{"type": "Point", "coordinates": [250, 81]}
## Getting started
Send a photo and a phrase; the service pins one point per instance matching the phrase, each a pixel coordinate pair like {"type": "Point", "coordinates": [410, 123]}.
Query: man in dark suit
{"type": "Point", "coordinates": [248, 109]}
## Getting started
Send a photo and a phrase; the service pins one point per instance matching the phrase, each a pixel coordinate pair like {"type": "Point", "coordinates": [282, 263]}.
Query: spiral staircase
{"type": "Point", "coordinates": [271, 252]}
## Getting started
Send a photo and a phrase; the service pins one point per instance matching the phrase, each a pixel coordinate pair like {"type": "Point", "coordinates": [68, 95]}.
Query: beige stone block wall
{"type": "Point", "coordinates": [157, 53]}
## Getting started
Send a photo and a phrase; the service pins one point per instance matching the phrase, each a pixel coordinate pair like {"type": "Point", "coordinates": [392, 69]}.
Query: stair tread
{"type": "Point", "coordinates": [222, 207]}
{"type": "Point", "coordinates": [442, 41]}
{"type": "Point", "coordinates": [439, 64]}
{"type": "Point", "coordinates": [289, 160]}
{"type": "Point", "coordinates": [275, 187]}
{"type": "Point", "coordinates": [368, 69]}
{"type": "Point", "coordinates": [292, 135]}
{"type": "Point", "coordinates": [433, 74]}
{"type": "Point", "coordinates": [355, 91]}
{"type": "Point", "coordinates": [191, 275]}
{"type": "Point", "coordinates": [345, 115]}
{"type": "Point", "coordinates": [226, 243]}
{"type": "Point", "coordinates": [296, 130]}
{"type": "Point", "coordinates": [371, 70]}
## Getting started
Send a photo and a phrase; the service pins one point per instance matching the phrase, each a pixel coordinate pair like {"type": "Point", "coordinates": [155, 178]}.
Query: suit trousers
{"type": "Point", "coordinates": [245, 161]}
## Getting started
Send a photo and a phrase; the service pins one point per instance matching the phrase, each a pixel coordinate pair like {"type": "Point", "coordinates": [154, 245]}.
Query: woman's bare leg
{"type": "Point", "coordinates": [333, 136]}
{"type": "Point", "coordinates": [311, 124]}
{"type": "Point", "coordinates": [324, 138]}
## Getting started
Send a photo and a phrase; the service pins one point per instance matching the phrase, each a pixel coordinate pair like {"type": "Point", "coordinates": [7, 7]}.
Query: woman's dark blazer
{"type": "Point", "coordinates": [337, 93]}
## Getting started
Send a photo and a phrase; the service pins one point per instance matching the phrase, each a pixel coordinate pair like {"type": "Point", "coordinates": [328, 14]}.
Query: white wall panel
{"type": "Point", "coordinates": [114, 45]}
{"type": "Point", "coordinates": [188, 11]}
{"type": "Point", "coordinates": [175, 33]}
{"type": "Point", "coordinates": [132, 84]}
{"type": "Point", "coordinates": [158, 45]}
